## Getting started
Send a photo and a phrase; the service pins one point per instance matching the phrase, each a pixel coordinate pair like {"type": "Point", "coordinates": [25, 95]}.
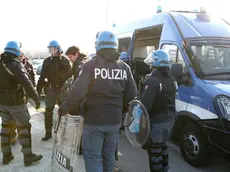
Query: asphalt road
{"type": "Point", "coordinates": [132, 159]}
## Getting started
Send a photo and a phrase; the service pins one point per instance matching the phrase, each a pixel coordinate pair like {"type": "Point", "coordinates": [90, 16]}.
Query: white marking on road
{"type": "Point", "coordinates": [119, 153]}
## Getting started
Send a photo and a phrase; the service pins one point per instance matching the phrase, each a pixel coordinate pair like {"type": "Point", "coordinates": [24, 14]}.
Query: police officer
{"type": "Point", "coordinates": [125, 58]}
{"type": "Point", "coordinates": [29, 68]}
{"type": "Point", "coordinates": [56, 69]}
{"type": "Point", "coordinates": [105, 83]}
{"type": "Point", "coordinates": [13, 103]}
{"type": "Point", "coordinates": [159, 99]}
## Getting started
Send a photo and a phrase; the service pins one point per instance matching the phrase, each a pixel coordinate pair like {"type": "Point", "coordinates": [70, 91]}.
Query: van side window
{"type": "Point", "coordinates": [174, 54]}
{"type": "Point", "coordinates": [180, 59]}
{"type": "Point", "coordinates": [172, 51]}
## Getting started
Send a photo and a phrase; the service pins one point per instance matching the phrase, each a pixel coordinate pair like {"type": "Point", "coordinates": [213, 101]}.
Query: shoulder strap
{"type": "Point", "coordinates": [6, 68]}
{"type": "Point", "coordinates": [160, 85]}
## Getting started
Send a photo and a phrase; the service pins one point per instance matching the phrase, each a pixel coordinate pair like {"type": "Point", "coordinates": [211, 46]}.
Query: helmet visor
{"type": "Point", "coordinates": [53, 51]}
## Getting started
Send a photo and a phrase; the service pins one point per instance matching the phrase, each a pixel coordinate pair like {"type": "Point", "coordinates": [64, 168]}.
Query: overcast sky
{"type": "Point", "coordinates": [36, 22]}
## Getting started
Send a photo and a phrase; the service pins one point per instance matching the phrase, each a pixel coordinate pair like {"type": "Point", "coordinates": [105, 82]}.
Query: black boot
{"type": "Point", "coordinates": [7, 158]}
{"type": "Point", "coordinates": [48, 125]}
{"type": "Point", "coordinates": [80, 150]}
{"type": "Point", "coordinates": [24, 132]}
{"type": "Point", "coordinates": [116, 155]}
{"type": "Point", "coordinates": [30, 158]}
{"type": "Point", "coordinates": [48, 135]}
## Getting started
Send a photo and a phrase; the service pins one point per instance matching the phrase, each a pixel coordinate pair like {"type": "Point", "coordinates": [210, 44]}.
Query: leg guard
{"type": "Point", "coordinates": [155, 158]}
{"type": "Point", "coordinates": [6, 134]}
{"type": "Point", "coordinates": [6, 137]}
{"type": "Point", "coordinates": [13, 133]}
{"type": "Point", "coordinates": [165, 157]}
{"type": "Point", "coordinates": [24, 132]}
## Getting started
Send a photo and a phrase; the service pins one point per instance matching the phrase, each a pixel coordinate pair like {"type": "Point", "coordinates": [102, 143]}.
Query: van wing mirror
{"type": "Point", "coordinates": [176, 70]}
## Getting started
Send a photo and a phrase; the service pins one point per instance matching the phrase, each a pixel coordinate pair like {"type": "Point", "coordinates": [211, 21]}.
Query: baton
{"type": "Point", "coordinates": [57, 124]}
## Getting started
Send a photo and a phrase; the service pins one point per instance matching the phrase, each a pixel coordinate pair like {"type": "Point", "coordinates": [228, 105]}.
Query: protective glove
{"type": "Point", "coordinates": [135, 125]}
{"type": "Point", "coordinates": [38, 105]}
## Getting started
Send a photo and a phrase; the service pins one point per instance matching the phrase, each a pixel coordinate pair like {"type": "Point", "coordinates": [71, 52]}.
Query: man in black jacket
{"type": "Point", "coordinates": [56, 69]}
{"type": "Point", "coordinates": [77, 58]}
{"type": "Point", "coordinates": [28, 66]}
{"type": "Point", "coordinates": [13, 104]}
{"type": "Point", "coordinates": [30, 71]}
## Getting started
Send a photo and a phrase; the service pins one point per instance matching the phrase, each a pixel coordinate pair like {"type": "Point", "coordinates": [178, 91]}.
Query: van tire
{"type": "Point", "coordinates": [193, 146]}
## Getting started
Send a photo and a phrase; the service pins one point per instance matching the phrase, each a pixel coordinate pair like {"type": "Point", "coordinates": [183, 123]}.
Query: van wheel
{"type": "Point", "coordinates": [193, 146]}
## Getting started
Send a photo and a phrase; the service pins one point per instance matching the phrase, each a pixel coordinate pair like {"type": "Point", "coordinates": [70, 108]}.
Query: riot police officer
{"type": "Point", "coordinates": [125, 58]}
{"type": "Point", "coordinates": [29, 68]}
{"type": "Point", "coordinates": [13, 103]}
{"type": "Point", "coordinates": [56, 69]}
{"type": "Point", "coordinates": [106, 83]}
{"type": "Point", "coordinates": [159, 100]}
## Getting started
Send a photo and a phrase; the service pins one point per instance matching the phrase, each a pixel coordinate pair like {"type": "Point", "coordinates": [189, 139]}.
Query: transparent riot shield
{"type": "Point", "coordinates": [67, 144]}
{"type": "Point", "coordinates": [137, 124]}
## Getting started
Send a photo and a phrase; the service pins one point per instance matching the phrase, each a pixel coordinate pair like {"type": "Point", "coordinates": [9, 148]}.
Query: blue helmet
{"type": "Point", "coordinates": [124, 56]}
{"type": "Point", "coordinates": [13, 47]}
{"type": "Point", "coordinates": [55, 44]}
{"type": "Point", "coordinates": [158, 58]}
{"type": "Point", "coordinates": [106, 39]}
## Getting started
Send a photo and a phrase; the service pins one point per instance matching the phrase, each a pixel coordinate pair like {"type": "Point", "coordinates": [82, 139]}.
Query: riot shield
{"type": "Point", "coordinates": [67, 144]}
{"type": "Point", "coordinates": [137, 124]}
{"type": "Point", "coordinates": [66, 88]}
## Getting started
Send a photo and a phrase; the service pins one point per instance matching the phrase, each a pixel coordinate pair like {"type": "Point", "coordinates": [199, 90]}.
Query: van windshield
{"type": "Point", "coordinates": [213, 59]}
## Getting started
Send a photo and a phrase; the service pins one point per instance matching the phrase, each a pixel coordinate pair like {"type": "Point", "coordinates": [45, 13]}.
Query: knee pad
{"type": "Point", "coordinates": [9, 125]}
{"type": "Point", "coordinates": [155, 150]}
{"type": "Point", "coordinates": [24, 131]}
{"type": "Point", "coordinates": [6, 125]}
{"type": "Point", "coordinates": [165, 154]}
{"type": "Point", "coordinates": [164, 147]}
{"type": "Point", "coordinates": [7, 131]}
